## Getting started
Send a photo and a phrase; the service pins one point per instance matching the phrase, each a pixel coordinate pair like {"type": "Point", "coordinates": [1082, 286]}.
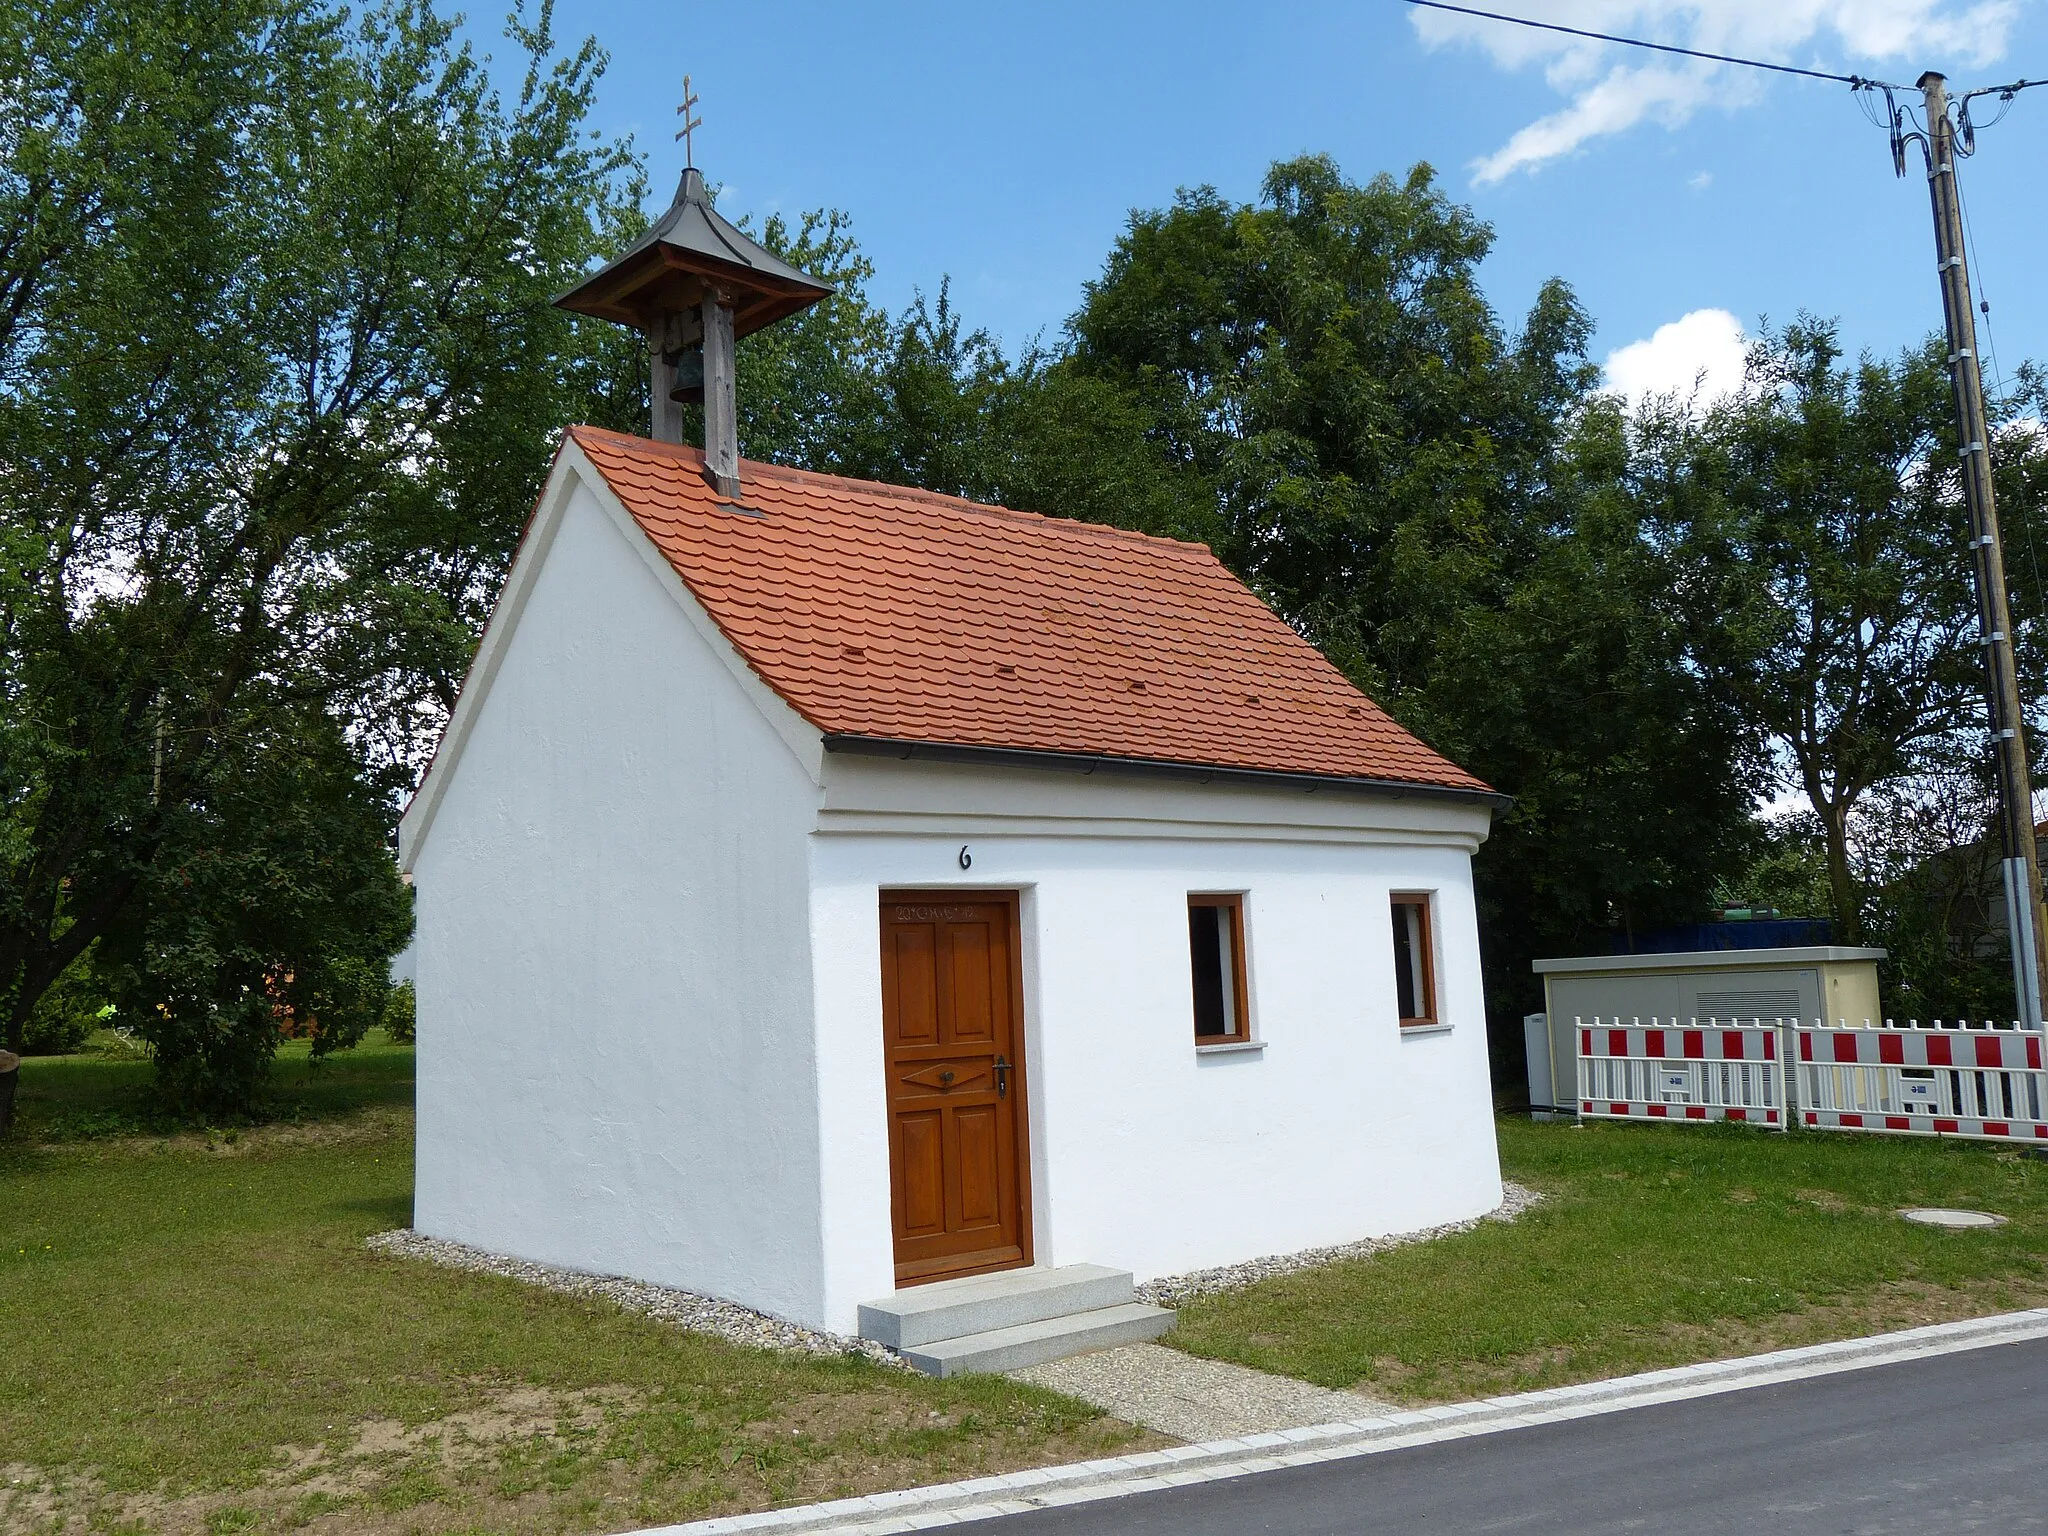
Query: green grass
{"type": "Point", "coordinates": [201, 1341]}
{"type": "Point", "coordinates": [1656, 1246]}
{"type": "Point", "coordinates": [105, 1092]}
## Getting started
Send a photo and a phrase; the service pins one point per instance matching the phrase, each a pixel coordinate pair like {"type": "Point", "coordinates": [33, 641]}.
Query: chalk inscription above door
{"type": "Point", "coordinates": [952, 1026]}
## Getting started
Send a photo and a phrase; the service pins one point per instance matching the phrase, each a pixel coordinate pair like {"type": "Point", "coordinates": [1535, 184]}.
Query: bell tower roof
{"type": "Point", "coordinates": [687, 250]}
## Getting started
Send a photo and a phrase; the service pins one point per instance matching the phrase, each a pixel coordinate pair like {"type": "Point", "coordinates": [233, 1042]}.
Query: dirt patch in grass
{"type": "Point", "coordinates": [603, 1458]}
{"type": "Point", "coordinates": [463, 1440]}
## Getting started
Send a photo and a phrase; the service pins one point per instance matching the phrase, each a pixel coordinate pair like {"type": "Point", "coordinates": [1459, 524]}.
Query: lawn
{"type": "Point", "coordinates": [200, 1342]}
{"type": "Point", "coordinates": [1655, 1246]}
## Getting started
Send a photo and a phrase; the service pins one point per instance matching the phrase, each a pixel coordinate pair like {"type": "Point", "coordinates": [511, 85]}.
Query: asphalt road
{"type": "Point", "coordinates": [1954, 1443]}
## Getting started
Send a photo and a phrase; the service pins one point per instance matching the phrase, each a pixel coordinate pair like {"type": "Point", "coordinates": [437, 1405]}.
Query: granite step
{"type": "Point", "coordinates": [978, 1304]}
{"type": "Point", "coordinates": [1040, 1341]}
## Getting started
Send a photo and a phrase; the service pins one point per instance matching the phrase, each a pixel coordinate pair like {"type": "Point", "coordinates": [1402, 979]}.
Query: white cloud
{"type": "Point", "coordinates": [1610, 89]}
{"type": "Point", "coordinates": [1697, 356]}
{"type": "Point", "coordinates": [1699, 181]}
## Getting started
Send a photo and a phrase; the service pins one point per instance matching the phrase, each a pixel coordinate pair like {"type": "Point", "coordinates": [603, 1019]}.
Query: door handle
{"type": "Point", "coordinates": [1002, 1078]}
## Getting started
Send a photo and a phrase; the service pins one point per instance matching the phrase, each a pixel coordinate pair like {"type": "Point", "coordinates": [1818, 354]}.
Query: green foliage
{"type": "Point", "coordinates": [276, 902]}
{"type": "Point", "coordinates": [1932, 889]}
{"type": "Point", "coordinates": [1633, 779]}
{"type": "Point", "coordinates": [278, 380]}
{"type": "Point", "coordinates": [1788, 871]}
{"type": "Point", "coordinates": [1819, 515]}
{"type": "Point", "coordinates": [401, 1018]}
{"type": "Point", "coordinates": [1326, 362]}
{"type": "Point", "coordinates": [808, 391]}
{"type": "Point", "coordinates": [67, 1014]}
{"type": "Point", "coordinates": [921, 400]}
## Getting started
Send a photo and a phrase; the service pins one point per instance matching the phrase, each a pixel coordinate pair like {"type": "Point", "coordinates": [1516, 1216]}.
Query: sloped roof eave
{"type": "Point", "coordinates": [1162, 768]}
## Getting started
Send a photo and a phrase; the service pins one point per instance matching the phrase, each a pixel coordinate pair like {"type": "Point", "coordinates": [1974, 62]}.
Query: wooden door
{"type": "Point", "coordinates": [952, 1005]}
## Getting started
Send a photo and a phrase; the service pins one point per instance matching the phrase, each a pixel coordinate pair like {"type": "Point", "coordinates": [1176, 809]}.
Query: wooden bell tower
{"type": "Point", "coordinates": [693, 285]}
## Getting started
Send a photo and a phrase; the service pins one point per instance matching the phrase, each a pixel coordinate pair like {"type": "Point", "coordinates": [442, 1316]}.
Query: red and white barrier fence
{"type": "Point", "coordinates": [1668, 1071]}
{"type": "Point", "coordinates": [1959, 1080]}
{"type": "Point", "coordinates": [1962, 1081]}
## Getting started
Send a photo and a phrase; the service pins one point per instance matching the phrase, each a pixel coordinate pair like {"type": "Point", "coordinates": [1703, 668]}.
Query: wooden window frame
{"type": "Point", "coordinates": [1233, 903]}
{"type": "Point", "coordinates": [1423, 903]}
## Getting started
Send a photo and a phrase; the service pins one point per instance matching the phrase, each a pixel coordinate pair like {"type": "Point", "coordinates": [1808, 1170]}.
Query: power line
{"type": "Point", "coordinates": [1637, 42]}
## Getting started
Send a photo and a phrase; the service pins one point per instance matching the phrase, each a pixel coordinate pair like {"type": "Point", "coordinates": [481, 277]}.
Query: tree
{"type": "Point", "coordinates": [1326, 362]}
{"type": "Point", "coordinates": [920, 400]}
{"type": "Point", "coordinates": [809, 392]}
{"type": "Point", "coordinates": [1828, 571]}
{"type": "Point", "coordinates": [1928, 867]}
{"type": "Point", "coordinates": [278, 379]}
{"type": "Point", "coordinates": [1634, 776]}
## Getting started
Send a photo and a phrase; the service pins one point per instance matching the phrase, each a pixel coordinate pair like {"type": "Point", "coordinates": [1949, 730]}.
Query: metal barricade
{"type": "Point", "coordinates": [1665, 1070]}
{"type": "Point", "coordinates": [1964, 1080]}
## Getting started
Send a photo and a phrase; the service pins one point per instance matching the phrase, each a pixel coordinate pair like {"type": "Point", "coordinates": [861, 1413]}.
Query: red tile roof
{"type": "Point", "coordinates": [883, 612]}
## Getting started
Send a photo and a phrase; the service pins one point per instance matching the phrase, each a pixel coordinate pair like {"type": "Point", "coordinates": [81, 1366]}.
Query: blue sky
{"type": "Point", "coordinates": [1004, 145]}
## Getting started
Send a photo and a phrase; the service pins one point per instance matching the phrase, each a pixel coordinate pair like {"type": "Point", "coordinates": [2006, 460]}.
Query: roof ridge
{"type": "Point", "coordinates": [789, 472]}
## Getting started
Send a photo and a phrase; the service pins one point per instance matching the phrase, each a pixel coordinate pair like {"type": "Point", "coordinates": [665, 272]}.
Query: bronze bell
{"type": "Point", "coordinates": [689, 367]}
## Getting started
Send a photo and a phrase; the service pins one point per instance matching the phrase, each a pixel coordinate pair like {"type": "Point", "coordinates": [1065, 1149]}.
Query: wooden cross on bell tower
{"type": "Point", "coordinates": [693, 285]}
{"type": "Point", "coordinates": [690, 124]}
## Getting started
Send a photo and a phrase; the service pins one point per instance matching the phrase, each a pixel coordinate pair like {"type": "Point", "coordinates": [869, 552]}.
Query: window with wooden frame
{"type": "Point", "coordinates": [1216, 949]}
{"type": "Point", "coordinates": [1414, 960]}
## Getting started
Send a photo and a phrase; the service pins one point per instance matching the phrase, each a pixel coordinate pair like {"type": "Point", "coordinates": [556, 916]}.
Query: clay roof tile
{"type": "Point", "coordinates": [886, 612]}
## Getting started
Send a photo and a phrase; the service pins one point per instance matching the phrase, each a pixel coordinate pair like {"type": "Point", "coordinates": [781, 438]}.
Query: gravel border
{"type": "Point", "coordinates": [743, 1325]}
{"type": "Point", "coordinates": [1172, 1290]}
{"type": "Point", "coordinates": [727, 1320]}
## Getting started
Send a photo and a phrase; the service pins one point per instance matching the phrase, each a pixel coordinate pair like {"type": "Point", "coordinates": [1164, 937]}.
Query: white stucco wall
{"type": "Point", "coordinates": [1146, 1154]}
{"type": "Point", "coordinates": [648, 971]}
{"type": "Point", "coordinates": [615, 1042]}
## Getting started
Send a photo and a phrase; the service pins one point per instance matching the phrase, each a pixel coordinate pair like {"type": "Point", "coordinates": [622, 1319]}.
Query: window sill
{"type": "Point", "coordinates": [1230, 1047]}
{"type": "Point", "coordinates": [1424, 1029]}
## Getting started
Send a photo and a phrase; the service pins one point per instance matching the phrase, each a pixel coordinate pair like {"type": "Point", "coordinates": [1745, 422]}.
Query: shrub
{"type": "Point", "coordinates": [72, 1009]}
{"type": "Point", "coordinates": [54, 1031]}
{"type": "Point", "coordinates": [275, 901]}
{"type": "Point", "coordinates": [400, 1021]}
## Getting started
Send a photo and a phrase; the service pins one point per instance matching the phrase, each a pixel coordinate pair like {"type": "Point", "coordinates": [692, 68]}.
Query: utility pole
{"type": "Point", "coordinates": [2022, 864]}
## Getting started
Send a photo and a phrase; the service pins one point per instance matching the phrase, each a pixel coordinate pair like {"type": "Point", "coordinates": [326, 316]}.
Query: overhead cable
{"type": "Point", "coordinates": [1857, 81]}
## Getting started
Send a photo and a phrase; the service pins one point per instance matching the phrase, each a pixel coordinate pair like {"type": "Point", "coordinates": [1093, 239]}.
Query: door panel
{"type": "Point", "coordinates": [980, 1199]}
{"type": "Point", "coordinates": [969, 978]}
{"type": "Point", "coordinates": [917, 985]}
{"type": "Point", "coordinates": [951, 1006]}
{"type": "Point", "coordinates": [919, 1142]}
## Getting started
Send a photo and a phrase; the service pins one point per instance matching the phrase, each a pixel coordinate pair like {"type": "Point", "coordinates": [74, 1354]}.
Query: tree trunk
{"type": "Point", "coordinates": [19, 1006]}
{"type": "Point", "coordinates": [1842, 892]}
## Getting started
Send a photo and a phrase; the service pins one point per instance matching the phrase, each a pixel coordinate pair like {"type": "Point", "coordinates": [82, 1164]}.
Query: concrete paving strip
{"type": "Point", "coordinates": [1193, 1399]}
{"type": "Point", "coordinates": [916, 1509]}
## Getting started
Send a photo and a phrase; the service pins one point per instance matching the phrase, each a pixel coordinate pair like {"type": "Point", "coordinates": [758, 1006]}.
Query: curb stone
{"type": "Point", "coordinates": [981, 1498]}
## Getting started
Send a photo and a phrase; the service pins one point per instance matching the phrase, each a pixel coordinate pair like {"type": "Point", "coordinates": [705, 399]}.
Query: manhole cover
{"type": "Point", "coordinates": [1937, 1217]}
